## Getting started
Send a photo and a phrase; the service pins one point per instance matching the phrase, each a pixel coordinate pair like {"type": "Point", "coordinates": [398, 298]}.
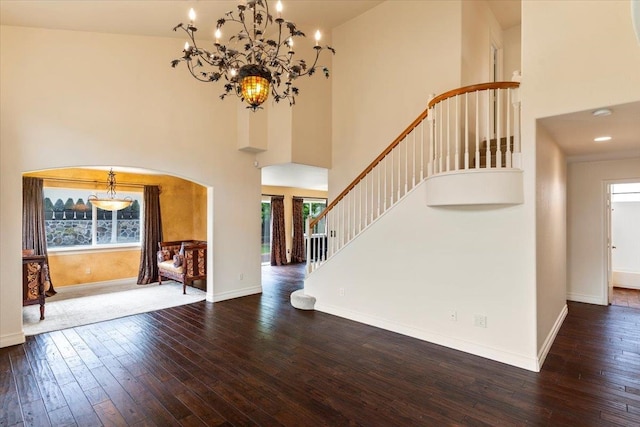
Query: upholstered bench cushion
{"type": "Point", "coordinates": [168, 266]}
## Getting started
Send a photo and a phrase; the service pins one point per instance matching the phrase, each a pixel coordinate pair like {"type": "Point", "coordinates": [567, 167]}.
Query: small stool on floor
{"type": "Point", "coordinates": [302, 301]}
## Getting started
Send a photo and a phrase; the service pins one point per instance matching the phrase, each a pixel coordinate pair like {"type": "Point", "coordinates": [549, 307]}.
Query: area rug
{"type": "Point", "coordinates": [82, 305]}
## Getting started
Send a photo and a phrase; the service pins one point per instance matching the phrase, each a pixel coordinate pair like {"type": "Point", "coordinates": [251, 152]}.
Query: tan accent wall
{"type": "Point", "coordinates": [183, 205]}
{"type": "Point", "coordinates": [289, 193]}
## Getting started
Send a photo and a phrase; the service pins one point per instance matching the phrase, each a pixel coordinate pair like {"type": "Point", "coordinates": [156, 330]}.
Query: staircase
{"type": "Point", "coordinates": [448, 138]}
{"type": "Point", "coordinates": [495, 153]}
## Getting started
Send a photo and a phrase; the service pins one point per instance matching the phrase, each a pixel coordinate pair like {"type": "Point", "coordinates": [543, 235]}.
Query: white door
{"type": "Point", "coordinates": [610, 246]}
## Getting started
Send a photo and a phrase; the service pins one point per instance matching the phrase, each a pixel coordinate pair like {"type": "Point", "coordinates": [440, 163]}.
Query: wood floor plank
{"type": "Point", "coordinates": [80, 407]}
{"type": "Point", "coordinates": [129, 409]}
{"type": "Point", "coordinates": [35, 414]}
{"type": "Point", "coordinates": [61, 417]}
{"type": "Point", "coordinates": [109, 414]}
{"type": "Point", "coordinates": [258, 361]}
{"type": "Point", "coordinates": [10, 410]}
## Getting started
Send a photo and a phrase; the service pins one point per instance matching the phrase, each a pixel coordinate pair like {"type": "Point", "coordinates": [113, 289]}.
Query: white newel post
{"type": "Point", "coordinates": [517, 152]}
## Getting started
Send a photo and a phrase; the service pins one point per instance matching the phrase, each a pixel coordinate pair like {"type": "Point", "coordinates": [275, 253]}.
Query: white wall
{"type": "Point", "coordinates": [551, 238]}
{"type": "Point", "coordinates": [312, 112]}
{"type": "Point", "coordinates": [586, 234]}
{"type": "Point", "coordinates": [625, 236]}
{"type": "Point", "coordinates": [302, 133]}
{"type": "Point", "coordinates": [408, 271]}
{"type": "Point", "coordinates": [512, 45]}
{"type": "Point", "coordinates": [82, 99]}
{"type": "Point", "coordinates": [382, 81]}
{"type": "Point", "coordinates": [388, 61]}
{"type": "Point", "coordinates": [565, 46]}
{"type": "Point", "coordinates": [480, 30]}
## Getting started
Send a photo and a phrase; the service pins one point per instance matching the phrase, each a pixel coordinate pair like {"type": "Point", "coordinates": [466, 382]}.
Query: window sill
{"type": "Point", "coordinates": [78, 250]}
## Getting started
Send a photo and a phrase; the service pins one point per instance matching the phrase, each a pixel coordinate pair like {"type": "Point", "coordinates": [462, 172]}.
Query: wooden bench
{"type": "Point", "coordinates": [183, 261]}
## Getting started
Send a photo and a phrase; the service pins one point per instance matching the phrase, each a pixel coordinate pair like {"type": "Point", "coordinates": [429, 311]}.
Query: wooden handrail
{"type": "Point", "coordinates": [372, 165]}
{"type": "Point", "coordinates": [472, 88]}
{"type": "Point", "coordinates": [407, 131]}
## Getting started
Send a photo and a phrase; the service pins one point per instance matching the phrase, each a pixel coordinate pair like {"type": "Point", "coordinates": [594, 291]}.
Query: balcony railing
{"type": "Point", "coordinates": [470, 128]}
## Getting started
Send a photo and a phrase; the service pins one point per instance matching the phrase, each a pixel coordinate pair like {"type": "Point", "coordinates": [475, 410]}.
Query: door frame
{"type": "Point", "coordinates": [606, 237]}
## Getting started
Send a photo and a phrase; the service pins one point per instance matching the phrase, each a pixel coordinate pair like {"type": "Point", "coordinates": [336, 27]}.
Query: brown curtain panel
{"type": "Point", "coordinates": [297, 250]}
{"type": "Point", "coordinates": [34, 235]}
{"type": "Point", "coordinates": [278, 238]}
{"type": "Point", "coordinates": [152, 235]}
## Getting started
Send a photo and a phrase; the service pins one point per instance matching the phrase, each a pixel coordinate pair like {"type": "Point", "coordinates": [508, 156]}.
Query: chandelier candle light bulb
{"type": "Point", "coordinates": [256, 64]}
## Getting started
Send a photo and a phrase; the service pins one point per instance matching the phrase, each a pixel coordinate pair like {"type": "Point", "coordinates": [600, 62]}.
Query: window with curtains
{"type": "Point", "coordinates": [72, 222]}
{"type": "Point", "coordinates": [314, 207]}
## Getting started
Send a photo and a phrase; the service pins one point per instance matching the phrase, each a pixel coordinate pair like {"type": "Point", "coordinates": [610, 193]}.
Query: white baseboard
{"type": "Point", "coordinates": [548, 342]}
{"type": "Point", "coordinates": [93, 284]}
{"type": "Point", "coordinates": [236, 293]}
{"type": "Point", "coordinates": [589, 299]}
{"type": "Point", "coordinates": [626, 279]}
{"type": "Point", "coordinates": [519, 360]}
{"type": "Point", "coordinates": [12, 339]}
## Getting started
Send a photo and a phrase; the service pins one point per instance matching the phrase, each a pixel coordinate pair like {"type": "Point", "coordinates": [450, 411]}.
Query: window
{"type": "Point", "coordinates": [314, 207]}
{"type": "Point", "coordinates": [71, 221]}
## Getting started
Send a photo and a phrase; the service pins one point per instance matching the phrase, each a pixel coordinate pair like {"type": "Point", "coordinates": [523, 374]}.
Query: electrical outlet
{"type": "Point", "coordinates": [341, 292]}
{"type": "Point", "coordinates": [241, 276]}
{"type": "Point", "coordinates": [453, 316]}
{"type": "Point", "coordinates": [480, 321]}
{"type": "Point", "coordinates": [88, 270]}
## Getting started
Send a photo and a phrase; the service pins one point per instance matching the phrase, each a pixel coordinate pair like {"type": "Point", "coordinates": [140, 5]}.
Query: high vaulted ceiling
{"type": "Point", "coordinates": [157, 18]}
{"type": "Point", "coordinates": [573, 132]}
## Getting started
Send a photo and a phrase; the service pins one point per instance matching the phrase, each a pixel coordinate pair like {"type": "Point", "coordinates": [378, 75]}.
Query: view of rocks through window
{"type": "Point", "coordinates": [71, 222]}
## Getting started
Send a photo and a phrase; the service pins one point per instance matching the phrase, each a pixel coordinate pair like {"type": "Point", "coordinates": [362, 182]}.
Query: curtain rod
{"type": "Point", "coordinates": [310, 198]}
{"type": "Point", "coordinates": [91, 181]}
{"type": "Point", "coordinates": [273, 195]}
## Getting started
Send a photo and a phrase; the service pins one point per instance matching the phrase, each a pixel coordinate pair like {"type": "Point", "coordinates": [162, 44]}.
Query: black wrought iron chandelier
{"type": "Point", "coordinates": [258, 59]}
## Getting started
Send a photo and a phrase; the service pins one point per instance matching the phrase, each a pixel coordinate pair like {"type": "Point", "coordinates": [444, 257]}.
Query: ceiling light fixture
{"type": "Point", "coordinates": [110, 203]}
{"type": "Point", "coordinates": [602, 139]}
{"type": "Point", "coordinates": [256, 60]}
{"type": "Point", "coordinates": [601, 112]}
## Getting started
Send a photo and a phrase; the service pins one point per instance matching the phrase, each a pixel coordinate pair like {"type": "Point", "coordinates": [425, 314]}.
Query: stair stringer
{"type": "Point", "coordinates": [416, 264]}
{"type": "Point", "coordinates": [365, 228]}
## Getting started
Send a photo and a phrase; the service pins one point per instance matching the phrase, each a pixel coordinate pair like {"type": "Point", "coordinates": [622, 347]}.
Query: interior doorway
{"type": "Point", "coordinates": [97, 252]}
{"type": "Point", "coordinates": [623, 272]}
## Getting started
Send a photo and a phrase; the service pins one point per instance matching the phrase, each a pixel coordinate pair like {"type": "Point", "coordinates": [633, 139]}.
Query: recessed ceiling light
{"type": "Point", "coordinates": [602, 139]}
{"type": "Point", "coordinates": [602, 112]}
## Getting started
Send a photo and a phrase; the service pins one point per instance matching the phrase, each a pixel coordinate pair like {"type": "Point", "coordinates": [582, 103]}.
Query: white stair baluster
{"type": "Point", "coordinates": [456, 159]}
{"type": "Point", "coordinates": [508, 111]}
{"type": "Point", "coordinates": [488, 130]}
{"type": "Point", "coordinates": [477, 159]}
{"type": "Point", "coordinates": [466, 131]}
{"type": "Point", "coordinates": [440, 114]}
{"type": "Point", "coordinates": [498, 130]}
{"type": "Point", "coordinates": [448, 134]}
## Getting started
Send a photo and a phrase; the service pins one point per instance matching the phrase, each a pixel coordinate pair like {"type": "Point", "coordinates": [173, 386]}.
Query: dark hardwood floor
{"type": "Point", "coordinates": [258, 361]}
{"type": "Point", "coordinates": [626, 297]}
